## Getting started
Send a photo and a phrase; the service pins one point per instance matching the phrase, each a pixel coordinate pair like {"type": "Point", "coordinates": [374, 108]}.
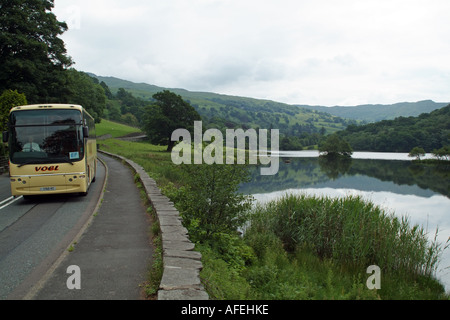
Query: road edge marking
{"type": "Point", "coordinates": [9, 201]}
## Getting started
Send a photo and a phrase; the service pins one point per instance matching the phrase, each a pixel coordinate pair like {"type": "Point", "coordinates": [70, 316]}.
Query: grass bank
{"type": "Point", "coordinates": [114, 129]}
{"type": "Point", "coordinates": [154, 159]}
{"type": "Point", "coordinates": [304, 247]}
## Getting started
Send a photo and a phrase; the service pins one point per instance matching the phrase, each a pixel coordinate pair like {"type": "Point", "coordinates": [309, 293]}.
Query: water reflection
{"type": "Point", "coordinates": [389, 175]}
{"type": "Point", "coordinates": [406, 189]}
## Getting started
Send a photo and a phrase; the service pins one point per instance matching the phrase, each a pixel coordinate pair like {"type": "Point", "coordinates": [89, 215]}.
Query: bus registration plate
{"type": "Point", "coordinates": [48, 188]}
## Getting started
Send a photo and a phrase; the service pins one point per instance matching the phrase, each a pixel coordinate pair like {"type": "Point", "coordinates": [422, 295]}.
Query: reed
{"type": "Point", "coordinates": [350, 231]}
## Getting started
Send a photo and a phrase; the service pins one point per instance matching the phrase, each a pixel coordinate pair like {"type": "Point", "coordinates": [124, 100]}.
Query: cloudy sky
{"type": "Point", "coordinates": [317, 52]}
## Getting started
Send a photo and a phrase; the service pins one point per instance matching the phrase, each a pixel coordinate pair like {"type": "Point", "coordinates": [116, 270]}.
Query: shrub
{"type": "Point", "coordinates": [417, 152]}
{"type": "Point", "coordinates": [209, 202]}
{"type": "Point", "coordinates": [334, 146]}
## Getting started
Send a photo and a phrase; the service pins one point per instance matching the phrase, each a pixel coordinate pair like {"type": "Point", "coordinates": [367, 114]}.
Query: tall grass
{"type": "Point", "coordinates": [350, 231]}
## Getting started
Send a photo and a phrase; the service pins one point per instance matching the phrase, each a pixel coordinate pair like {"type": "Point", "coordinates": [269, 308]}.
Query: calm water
{"type": "Point", "coordinates": [390, 180]}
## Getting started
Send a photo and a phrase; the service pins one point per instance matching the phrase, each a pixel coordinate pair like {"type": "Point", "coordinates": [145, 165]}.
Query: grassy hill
{"type": "Point", "coordinates": [224, 111]}
{"type": "Point", "coordinates": [368, 113]}
{"type": "Point", "coordinates": [300, 126]}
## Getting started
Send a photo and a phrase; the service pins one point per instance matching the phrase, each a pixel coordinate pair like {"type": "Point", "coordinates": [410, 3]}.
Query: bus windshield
{"type": "Point", "coordinates": [46, 136]}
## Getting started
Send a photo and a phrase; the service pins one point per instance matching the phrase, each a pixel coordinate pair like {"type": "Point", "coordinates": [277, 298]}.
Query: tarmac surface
{"type": "Point", "coordinates": [111, 259]}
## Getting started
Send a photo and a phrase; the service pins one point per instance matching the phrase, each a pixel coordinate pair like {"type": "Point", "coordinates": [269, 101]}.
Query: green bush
{"type": "Point", "coordinates": [209, 202]}
{"type": "Point", "coordinates": [221, 281]}
{"type": "Point", "coordinates": [8, 100]}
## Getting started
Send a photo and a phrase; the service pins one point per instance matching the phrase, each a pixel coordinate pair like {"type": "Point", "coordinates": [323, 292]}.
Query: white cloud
{"type": "Point", "coordinates": [307, 52]}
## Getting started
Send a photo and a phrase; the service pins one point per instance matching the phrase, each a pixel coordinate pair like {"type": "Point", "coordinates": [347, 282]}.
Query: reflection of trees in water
{"type": "Point", "coordinates": [433, 177]}
{"type": "Point", "coordinates": [297, 173]}
{"type": "Point", "coordinates": [307, 172]}
{"type": "Point", "coordinates": [333, 166]}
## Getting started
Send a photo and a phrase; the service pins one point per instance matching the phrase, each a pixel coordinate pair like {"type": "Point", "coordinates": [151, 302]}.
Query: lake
{"type": "Point", "coordinates": [390, 180]}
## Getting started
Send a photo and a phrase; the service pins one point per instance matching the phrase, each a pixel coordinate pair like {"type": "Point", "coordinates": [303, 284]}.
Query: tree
{"type": "Point", "coordinates": [82, 89]}
{"type": "Point", "coordinates": [335, 146]}
{"type": "Point", "coordinates": [416, 152]}
{"type": "Point", "coordinates": [170, 112]}
{"type": "Point", "coordinates": [210, 202]}
{"type": "Point", "coordinates": [8, 100]}
{"type": "Point", "coordinates": [442, 153]}
{"type": "Point", "coordinates": [32, 57]}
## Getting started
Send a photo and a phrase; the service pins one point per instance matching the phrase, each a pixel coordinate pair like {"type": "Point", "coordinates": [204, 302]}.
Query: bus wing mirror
{"type": "Point", "coordinates": [86, 132]}
{"type": "Point", "coordinates": [5, 136]}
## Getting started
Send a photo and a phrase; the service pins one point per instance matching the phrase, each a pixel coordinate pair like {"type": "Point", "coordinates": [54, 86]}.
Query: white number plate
{"type": "Point", "coordinates": [48, 188]}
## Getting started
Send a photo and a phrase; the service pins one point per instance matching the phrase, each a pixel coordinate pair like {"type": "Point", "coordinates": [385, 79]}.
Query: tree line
{"type": "Point", "coordinates": [429, 131]}
{"type": "Point", "coordinates": [34, 60]}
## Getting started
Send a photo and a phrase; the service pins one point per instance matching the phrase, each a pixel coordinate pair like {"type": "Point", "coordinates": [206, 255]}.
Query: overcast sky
{"type": "Point", "coordinates": [316, 52]}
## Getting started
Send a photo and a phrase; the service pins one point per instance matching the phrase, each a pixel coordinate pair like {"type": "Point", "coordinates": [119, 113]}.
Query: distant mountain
{"type": "Point", "coordinates": [377, 112]}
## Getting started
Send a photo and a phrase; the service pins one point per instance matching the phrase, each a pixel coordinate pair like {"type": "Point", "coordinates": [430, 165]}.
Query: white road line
{"type": "Point", "coordinates": [6, 200]}
{"type": "Point", "coordinates": [9, 201]}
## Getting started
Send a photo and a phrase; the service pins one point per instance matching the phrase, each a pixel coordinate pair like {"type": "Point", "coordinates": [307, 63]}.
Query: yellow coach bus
{"type": "Point", "coordinates": [52, 149]}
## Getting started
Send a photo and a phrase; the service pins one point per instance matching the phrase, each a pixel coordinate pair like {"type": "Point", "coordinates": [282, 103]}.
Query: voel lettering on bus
{"type": "Point", "coordinates": [45, 168]}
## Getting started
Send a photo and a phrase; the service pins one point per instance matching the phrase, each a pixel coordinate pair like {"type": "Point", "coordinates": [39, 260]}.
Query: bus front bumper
{"type": "Point", "coordinates": [48, 184]}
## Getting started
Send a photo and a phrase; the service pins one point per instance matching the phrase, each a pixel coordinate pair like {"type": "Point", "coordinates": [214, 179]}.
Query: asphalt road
{"type": "Point", "coordinates": [112, 252]}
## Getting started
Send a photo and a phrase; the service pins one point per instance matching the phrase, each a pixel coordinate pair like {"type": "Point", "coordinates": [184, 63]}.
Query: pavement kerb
{"type": "Point", "coordinates": [182, 265]}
